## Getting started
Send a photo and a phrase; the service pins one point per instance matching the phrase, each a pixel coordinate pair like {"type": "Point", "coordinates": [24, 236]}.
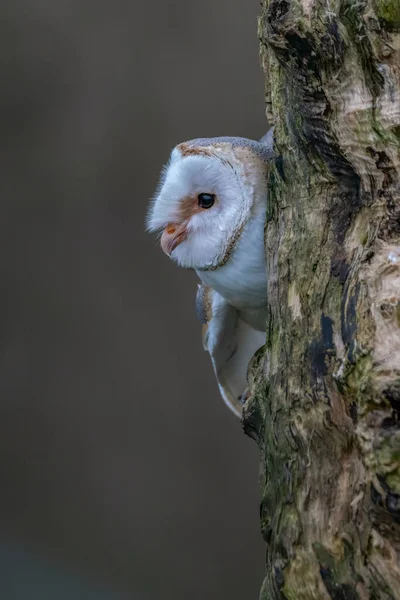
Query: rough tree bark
{"type": "Point", "coordinates": [325, 396]}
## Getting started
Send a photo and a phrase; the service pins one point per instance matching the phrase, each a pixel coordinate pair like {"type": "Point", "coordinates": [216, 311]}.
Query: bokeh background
{"type": "Point", "coordinates": [122, 474]}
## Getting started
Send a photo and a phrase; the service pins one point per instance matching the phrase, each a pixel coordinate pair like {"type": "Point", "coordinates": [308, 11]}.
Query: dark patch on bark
{"type": "Point", "coordinates": [333, 43]}
{"type": "Point", "coordinates": [384, 164]}
{"type": "Point", "coordinates": [369, 255]}
{"type": "Point", "coordinates": [391, 501]}
{"type": "Point", "coordinates": [327, 331]}
{"type": "Point", "coordinates": [347, 205]}
{"type": "Point", "coordinates": [277, 9]}
{"type": "Point", "coordinates": [389, 25]}
{"type": "Point", "coordinates": [340, 269]}
{"type": "Point", "coordinates": [318, 348]}
{"type": "Point", "coordinates": [393, 505]}
{"type": "Point", "coordinates": [265, 521]}
{"type": "Point", "coordinates": [386, 309]}
{"type": "Point", "coordinates": [392, 394]}
{"type": "Point", "coordinates": [252, 421]}
{"type": "Point", "coordinates": [337, 591]}
{"type": "Point", "coordinates": [302, 51]}
{"type": "Point", "coordinates": [353, 412]}
{"type": "Point", "coordinates": [279, 167]}
{"type": "Point", "coordinates": [316, 130]}
{"type": "Point", "coordinates": [391, 422]}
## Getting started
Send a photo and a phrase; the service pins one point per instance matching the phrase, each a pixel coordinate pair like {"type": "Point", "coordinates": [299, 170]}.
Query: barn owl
{"type": "Point", "coordinates": [210, 209]}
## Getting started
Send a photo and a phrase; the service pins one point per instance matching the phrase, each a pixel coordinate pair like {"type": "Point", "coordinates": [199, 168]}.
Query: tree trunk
{"type": "Point", "coordinates": [325, 396]}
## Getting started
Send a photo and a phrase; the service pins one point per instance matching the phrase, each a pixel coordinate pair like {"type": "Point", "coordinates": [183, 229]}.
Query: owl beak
{"type": "Point", "coordinates": [172, 236]}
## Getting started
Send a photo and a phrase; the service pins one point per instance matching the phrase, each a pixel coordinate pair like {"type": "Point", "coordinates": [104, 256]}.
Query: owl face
{"type": "Point", "coordinates": [205, 196]}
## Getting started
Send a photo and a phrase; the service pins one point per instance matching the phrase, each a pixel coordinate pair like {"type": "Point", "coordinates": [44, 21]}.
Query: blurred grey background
{"type": "Point", "coordinates": [120, 468]}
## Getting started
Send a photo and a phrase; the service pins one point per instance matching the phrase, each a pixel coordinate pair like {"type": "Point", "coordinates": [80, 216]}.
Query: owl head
{"type": "Point", "coordinates": [208, 191]}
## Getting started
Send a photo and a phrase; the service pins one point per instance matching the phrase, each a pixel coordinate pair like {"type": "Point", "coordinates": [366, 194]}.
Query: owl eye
{"type": "Point", "coordinates": [206, 200]}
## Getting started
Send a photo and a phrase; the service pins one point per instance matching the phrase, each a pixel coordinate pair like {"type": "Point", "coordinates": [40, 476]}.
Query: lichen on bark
{"type": "Point", "coordinates": [325, 399]}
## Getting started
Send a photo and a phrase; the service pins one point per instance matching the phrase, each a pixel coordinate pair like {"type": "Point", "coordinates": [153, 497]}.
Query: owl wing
{"type": "Point", "coordinates": [231, 343]}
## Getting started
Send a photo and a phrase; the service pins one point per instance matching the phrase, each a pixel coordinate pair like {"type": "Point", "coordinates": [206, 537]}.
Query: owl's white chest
{"type": "Point", "coordinates": [242, 281]}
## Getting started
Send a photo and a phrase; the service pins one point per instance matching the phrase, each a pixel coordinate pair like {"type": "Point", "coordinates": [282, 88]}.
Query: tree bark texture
{"type": "Point", "coordinates": [325, 396]}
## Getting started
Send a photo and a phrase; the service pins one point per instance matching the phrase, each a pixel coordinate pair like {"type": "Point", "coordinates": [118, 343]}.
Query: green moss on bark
{"type": "Point", "coordinates": [389, 10]}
